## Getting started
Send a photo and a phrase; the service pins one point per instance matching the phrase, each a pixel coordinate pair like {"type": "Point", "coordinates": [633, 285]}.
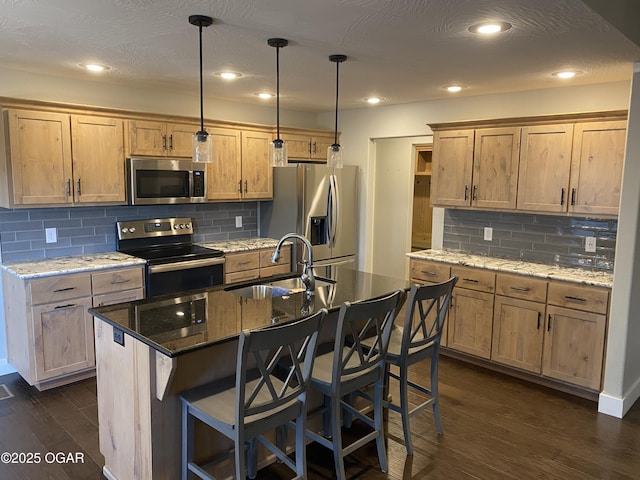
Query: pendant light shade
{"type": "Point", "coordinates": [278, 151]}
{"type": "Point", "coordinates": [202, 142]}
{"type": "Point", "coordinates": [335, 151]}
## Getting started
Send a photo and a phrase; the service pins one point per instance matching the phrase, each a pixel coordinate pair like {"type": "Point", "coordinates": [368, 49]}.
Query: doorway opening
{"type": "Point", "coordinates": [422, 220]}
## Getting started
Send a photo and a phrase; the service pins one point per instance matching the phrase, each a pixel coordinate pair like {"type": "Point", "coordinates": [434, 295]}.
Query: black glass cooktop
{"type": "Point", "coordinates": [174, 253]}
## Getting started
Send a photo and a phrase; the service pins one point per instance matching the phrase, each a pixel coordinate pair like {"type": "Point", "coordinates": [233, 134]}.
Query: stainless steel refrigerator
{"type": "Point", "coordinates": [318, 202]}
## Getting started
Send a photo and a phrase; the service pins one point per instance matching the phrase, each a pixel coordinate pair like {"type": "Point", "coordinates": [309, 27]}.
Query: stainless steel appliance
{"type": "Point", "coordinates": [152, 181]}
{"type": "Point", "coordinates": [318, 202]}
{"type": "Point", "coordinates": [174, 263]}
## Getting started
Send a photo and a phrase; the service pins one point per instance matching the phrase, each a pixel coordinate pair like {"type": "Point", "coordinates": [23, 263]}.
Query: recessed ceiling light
{"type": "Point", "coordinates": [265, 95]}
{"type": "Point", "coordinates": [566, 73]}
{"type": "Point", "coordinates": [453, 88]}
{"type": "Point", "coordinates": [228, 75]}
{"type": "Point", "coordinates": [95, 67]}
{"type": "Point", "coordinates": [489, 28]}
{"type": "Point", "coordinates": [372, 100]}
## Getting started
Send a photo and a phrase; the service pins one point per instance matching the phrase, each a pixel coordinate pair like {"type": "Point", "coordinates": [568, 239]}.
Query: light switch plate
{"type": "Point", "coordinates": [51, 235]}
{"type": "Point", "coordinates": [488, 233]}
{"type": "Point", "coordinates": [590, 244]}
{"type": "Point", "coordinates": [238, 221]}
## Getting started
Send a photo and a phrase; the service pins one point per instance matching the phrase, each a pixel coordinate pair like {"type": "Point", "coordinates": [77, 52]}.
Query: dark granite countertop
{"type": "Point", "coordinates": [177, 324]}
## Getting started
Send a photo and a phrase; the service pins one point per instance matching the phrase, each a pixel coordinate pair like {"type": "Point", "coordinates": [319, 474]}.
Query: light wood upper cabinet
{"type": "Point", "coordinates": [302, 146]}
{"type": "Point", "coordinates": [40, 158]}
{"type": "Point", "coordinates": [495, 167]}
{"type": "Point", "coordinates": [596, 167]}
{"type": "Point", "coordinates": [452, 168]}
{"type": "Point", "coordinates": [545, 162]}
{"type": "Point", "coordinates": [241, 169]}
{"type": "Point", "coordinates": [98, 159]}
{"type": "Point", "coordinates": [224, 175]}
{"type": "Point", "coordinates": [160, 139]}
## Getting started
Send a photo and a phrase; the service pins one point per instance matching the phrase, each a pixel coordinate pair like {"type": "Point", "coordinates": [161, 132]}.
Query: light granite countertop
{"type": "Point", "coordinates": [243, 244]}
{"type": "Point", "coordinates": [101, 261]}
{"type": "Point", "coordinates": [583, 276]}
{"type": "Point", "coordinates": [75, 264]}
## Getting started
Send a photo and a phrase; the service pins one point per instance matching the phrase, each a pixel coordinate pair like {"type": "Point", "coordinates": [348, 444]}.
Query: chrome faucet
{"type": "Point", "coordinates": [307, 265]}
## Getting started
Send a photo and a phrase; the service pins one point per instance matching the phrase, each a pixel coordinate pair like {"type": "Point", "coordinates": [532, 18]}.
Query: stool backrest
{"type": "Point", "coordinates": [261, 351]}
{"type": "Point", "coordinates": [427, 308]}
{"type": "Point", "coordinates": [367, 319]}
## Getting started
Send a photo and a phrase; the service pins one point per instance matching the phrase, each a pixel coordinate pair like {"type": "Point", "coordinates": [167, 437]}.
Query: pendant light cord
{"type": "Point", "coordinates": [201, 90]}
{"type": "Point", "coordinates": [278, 92]}
{"type": "Point", "coordinates": [335, 138]}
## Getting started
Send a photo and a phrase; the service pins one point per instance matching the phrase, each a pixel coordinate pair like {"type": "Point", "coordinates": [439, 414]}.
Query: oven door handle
{"type": "Point", "coordinates": [172, 267]}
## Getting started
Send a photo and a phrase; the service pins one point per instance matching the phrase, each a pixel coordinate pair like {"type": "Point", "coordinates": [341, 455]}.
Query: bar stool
{"type": "Point", "coordinates": [417, 340]}
{"type": "Point", "coordinates": [259, 401]}
{"type": "Point", "coordinates": [351, 367]}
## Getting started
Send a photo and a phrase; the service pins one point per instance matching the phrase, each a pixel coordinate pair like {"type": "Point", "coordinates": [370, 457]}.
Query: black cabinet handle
{"type": "Point", "coordinates": [573, 196]}
{"type": "Point", "coordinates": [164, 142]}
{"type": "Point", "coordinates": [431, 274]}
{"type": "Point", "coordinates": [475, 193]}
{"type": "Point", "coordinates": [68, 187]}
{"type": "Point", "coordinates": [520, 289]}
{"type": "Point", "coordinates": [549, 323]}
{"type": "Point", "coordinates": [245, 187]}
{"type": "Point", "coordinates": [240, 186]}
{"type": "Point", "coordinates": [562, 198]}
{"type": "Point", "coordinates": [470, 280]}
{"type": "Point", "coordinates": [466, 192]}
{"type": "Point", "coordinates": [171, 142]}
{"type": "Point", "coordinates": [78, 187]}
{"type": "Point", "coordinates": [569, 298]}
{"type": "Point", "coordinates": [65, 306]}
{"type": "Point", "coordinates": [64, 289]}
{"type": "Point", "coordinates": [539, 319]}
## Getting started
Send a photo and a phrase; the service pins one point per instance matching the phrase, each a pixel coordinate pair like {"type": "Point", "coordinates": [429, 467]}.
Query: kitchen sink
{"type": "Point", "coordinates": [278, 288]}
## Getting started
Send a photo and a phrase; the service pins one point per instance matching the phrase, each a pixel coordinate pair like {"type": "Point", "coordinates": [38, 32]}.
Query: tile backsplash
{"type": "Point", "coordinates": [549, 239]}
{"type": "Point", "coordinates": [84, 230]}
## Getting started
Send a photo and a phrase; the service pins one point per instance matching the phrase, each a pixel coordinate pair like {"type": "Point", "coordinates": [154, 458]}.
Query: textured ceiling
{"type": "Point", "coordinates": [401, 50]}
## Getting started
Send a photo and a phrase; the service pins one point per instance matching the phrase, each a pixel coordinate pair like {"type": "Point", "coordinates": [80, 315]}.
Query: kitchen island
{"type": "Point", "coordinates": [148, 351]}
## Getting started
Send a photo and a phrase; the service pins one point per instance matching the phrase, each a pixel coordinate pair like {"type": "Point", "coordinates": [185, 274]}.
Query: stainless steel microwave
{"type": "Point", "coordinates": [152, 181]}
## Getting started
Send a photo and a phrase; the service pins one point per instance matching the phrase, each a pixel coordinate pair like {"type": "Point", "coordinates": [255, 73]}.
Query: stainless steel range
{"type": "Point", "coordinates": [174, 263]}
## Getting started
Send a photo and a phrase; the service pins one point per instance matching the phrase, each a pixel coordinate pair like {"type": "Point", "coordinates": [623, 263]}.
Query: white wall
{"type": "Point", "coordinates": [622, 379]}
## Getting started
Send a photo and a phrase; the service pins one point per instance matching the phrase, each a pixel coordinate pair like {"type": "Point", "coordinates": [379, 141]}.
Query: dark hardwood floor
{"type": "Point", "coordinates": [496, 427]}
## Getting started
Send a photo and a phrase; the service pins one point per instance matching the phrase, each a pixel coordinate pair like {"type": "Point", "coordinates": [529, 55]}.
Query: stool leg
{"type": "Point", "coordinates": [240, 455]}
{"type": "Point", "coordinates": [404, 408]}
{"type": "Point", "coordinates": [301, 448]}
{"type": "Point", "coordinates": [338, 458]}
{"type": "Point", "coordinates": [434, 394]}
{"type": "Point", "coordinates": [188, 424]}
{"type": "Point", "coordinates": [378, 423]}
{"type": "Point", "coordinates": [252, 458]}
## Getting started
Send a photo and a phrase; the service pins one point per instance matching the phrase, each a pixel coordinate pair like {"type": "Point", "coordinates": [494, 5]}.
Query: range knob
{"type": "Point", "coordinates": [124, 230]}
{"type": "Point", "coordinates": [132, 229]}
{"type": "Point", "coordinates": [188, 225]}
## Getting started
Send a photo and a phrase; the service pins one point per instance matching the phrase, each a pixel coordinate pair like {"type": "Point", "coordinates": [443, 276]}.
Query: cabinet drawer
{"type": "Point", "coordinates": [274, 270]}
{"type": "Point", "coordinates": [475, 279]}
{"type": "Point", "coordinates": [520, 286]}
{"type": "Point", "coordinates": [116, 280]}
{"type": "Point", "coordinates": [60, 287]}
{"type": "Point", "coordinates": [285, 257]}
{"type": "Point", "coordinates": [238, 262]}
{"type": "Point", "coordinates": [118, 297]}
{"type": "Point", "coordinates": [432, 272]}
{"type": "Point", "coordinates": [241, 276]}
{"type": "Point", "coordinates": [579, 297]}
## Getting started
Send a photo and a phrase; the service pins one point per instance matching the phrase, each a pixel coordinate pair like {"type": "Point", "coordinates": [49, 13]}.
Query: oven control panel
{"type": "Point", "coordinates": [154, 228]}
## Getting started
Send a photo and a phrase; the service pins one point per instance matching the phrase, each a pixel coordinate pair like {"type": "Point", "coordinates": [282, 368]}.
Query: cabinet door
{"type": "Point", "coordinates": [146, 138]}
{"type": "Point", "coordinates": [319, 146]}
{"type": "Point", "coordinates": [298, 146]}
{"type": "Point", "coordinates": [596, 167]}
{"type": "Point", "coordinates": [545, 162]}
{"type": "Point", "coordinates": [470, 324]}
{"type": "Point", "coordinates": [40, 157]}
{"type": "Point", "coordinates": [98, 159]}
{"type": "Point", "coordinates": [63, 338]}
{"type": "Point", "coordinates": [257, 173]}
{"type": "Point", "coordinates": [452, 168]}
{"type": "Point", "coordinates": [180, 139]}
{"type": "Point", "coordinates": [495, 167]}
{"type": "Point", "coordinates": [518, 327]}
{"type": "Point", "coordinates": [224, 174]}
{"type": "Point", "coordinates": [574, 346]}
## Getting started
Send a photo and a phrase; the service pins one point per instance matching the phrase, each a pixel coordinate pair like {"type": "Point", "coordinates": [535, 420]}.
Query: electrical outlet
{"type": "Point", "coordinates": [238, 221]}
{"type": "Point", "coordinates": [488, 233]}
{"type": "Point", "coordinates": [590, 244]}
{"type": "Point", "coordinates": [51, 235]}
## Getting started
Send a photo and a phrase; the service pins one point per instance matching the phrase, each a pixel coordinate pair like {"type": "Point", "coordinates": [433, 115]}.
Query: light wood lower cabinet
{"type": "Point", "coordinates": [254, 264]}
{"type": "Point", "coordinates": [551, 329]}
{"type": "Point", "coordinates": [49, 329]}
{"type": "Point", "coordinates": [425, 272]}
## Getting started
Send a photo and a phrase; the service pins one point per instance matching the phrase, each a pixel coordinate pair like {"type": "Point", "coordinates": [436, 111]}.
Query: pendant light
{"type": "Point", "coordinates": [202, 142]}
{"type": "Point", "coordinates": [278, 151]}
{"type": "Point", "coordinates": [334, 152]}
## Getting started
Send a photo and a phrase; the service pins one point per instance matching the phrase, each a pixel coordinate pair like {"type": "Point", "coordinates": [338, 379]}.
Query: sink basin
{"type": "Point", "coordinates": [278, 288]}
